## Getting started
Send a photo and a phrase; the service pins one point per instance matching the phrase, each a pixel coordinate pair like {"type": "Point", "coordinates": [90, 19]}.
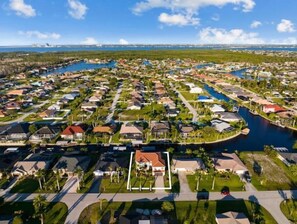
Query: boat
{"type": "Point", "coordinates": [254, 112]}
{"type": "Point", "coordinates": [245, 131]}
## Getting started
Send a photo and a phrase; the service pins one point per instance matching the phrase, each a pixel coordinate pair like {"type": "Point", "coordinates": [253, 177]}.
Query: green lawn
{"type": "Point", "coordinates": [274, 176]}
{"type": "Point", "coordinates": [31, 185]}
{"type": "Point", "coordinates": [229, 180]}
{"type": "Point", "coordinates": [289, 208]}
{"type": "Point", "coordinates": [56, 213]}
{"type": "Point", "coordinates": [189, 96]}
{"type": "Point", "coordinates": [195, 212]}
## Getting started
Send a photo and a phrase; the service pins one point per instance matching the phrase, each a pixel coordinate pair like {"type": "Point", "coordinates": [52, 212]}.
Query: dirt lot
{"type": "Point", "coordinates": [266, 174]}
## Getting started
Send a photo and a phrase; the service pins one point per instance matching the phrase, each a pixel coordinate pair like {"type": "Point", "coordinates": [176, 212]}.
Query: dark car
{"type": "Point", "coordinates": [247, 177]}
{"type": "Point", "coordinates": [225, 191]}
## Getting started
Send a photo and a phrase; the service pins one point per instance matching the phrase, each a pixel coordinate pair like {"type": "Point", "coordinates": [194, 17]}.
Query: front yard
{"type": "Point", "coordinates": [268, 173]}
{"type": "Point", "coordinates": [30, 184]}
{"type": "Point", "coordinates": [191, 212]}
{"type": "Point", "coordinates": [222, 180]}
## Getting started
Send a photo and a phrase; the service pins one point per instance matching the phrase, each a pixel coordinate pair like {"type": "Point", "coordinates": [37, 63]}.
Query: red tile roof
{"type": "Point", "coordinates": [70, 130]}
{"type": "Point", "coordinates": [153, 157]}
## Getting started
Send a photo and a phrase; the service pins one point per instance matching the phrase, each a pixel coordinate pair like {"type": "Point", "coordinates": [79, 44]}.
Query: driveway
{"type": "Point", "coordinates": [159, 182]}
{"type": "Point", "coordinates": [95, 185]}
{"type": "Point", "coordinates": [183, 182]}
{"type": "Point", "coordinates": [70, 186]}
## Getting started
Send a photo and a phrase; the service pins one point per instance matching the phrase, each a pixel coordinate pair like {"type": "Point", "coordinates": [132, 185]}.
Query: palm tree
{"type": "Point", "coordinates": [151, 183]}
{"type": "Point", "coordinates": [58, 177]}
{"type": "Point", "coordinates": [119, 169]}
{"type": "Point", "coordinates": [197, 178]}
{"type": "Point", "coordinates": [40, 204]}
{"type": "Point", "coordinates": [39, 176]}
{"type": "Point", "coordinates": [213, 172]}
{"type": "Point", "coordinates": [80, 174]}
{"type": "Point", "coordinates": [101, 200]}
{"type": "Point", "coordinates": [110, 173]}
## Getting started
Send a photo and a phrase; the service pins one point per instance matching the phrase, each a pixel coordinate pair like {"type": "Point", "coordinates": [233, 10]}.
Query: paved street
{"type": "Point", "coordinates": [187, 104]}
{"type": "Point", "coordinates": [77, 202]}
{"type": "Point", "coordinates": [22, 117]}
{"type": "Point", "coordinates": [114, 103]}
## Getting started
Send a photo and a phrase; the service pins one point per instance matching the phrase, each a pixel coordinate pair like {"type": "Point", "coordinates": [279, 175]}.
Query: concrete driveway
{"type": "Point", "coordinates": [96, 185]}
{"type": "Point", "coordinates": [183, 182]}
{"type": "Point", "coordinates": [159, 182]}
{"type": "Point", "coordinates": [71, 185]}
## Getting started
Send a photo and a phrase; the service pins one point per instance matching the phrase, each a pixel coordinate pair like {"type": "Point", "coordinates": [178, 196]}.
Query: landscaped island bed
{"type": "Point", "coordinates": [193, 212]}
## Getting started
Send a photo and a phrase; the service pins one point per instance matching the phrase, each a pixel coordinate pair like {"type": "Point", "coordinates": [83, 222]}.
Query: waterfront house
{"type": "Point", "coordinates": [160, 129]}
{"type": "Point", "coordinates": [31, 165]}
{"type": "Point", "coordinates": [150, 161]}
{"type": "Point", "coordinates": [230, 117]}
{"type": "Point", "coordinates": [73, 132]}
{"type": "Point", "coordinates": [46, 133]}
{"type": "Point", "coordinates": [131, 132]}
{"type": "Point", "coordinates": [68, 165]}
{"type": "Point", "coordinates": [188, 165]}
{"type": "Point", "coordinates": [17, 132]}
{"type": "Point", "coordinates": [272, 108]}
{"type": "Point", "coordinates": [221, 126]}
{"type": "Point", "coordinates": [232, 217]}
{"type": "Point", "coordinates": [107, 164]}
{"type": "Point", "coordinates": [229, 162]}
{"type": "Point", "coordinates": [217, 108]}
{"type": "Point", "coordinates": [185, 130]}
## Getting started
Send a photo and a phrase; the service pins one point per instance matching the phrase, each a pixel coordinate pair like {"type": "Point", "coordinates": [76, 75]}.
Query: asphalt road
{"type": "Point", "coordinates": [77, 202]}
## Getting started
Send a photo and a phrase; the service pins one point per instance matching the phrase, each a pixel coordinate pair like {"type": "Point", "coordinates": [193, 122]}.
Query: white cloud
{"type": "Point", "coordinates": [255, 24]}
{"type": "Point", "coordinates": [89, 41]}
{"type": "Point", "coordinates": [190, 6]}
{"type": "Point", "coordinates": [177, 19]}
{"type": "Point", "coordinates": [285, 26]}
{"type": "Point", "coordinates": [123, 41]}
{"type": "Point", "coordinates": [21, 8]}
{"type": "Point", "coordinates": [77, 9]}
{"type": "Point", "coordinates": [234, 36]}
{"type": "Point", "coordinates": [40, 35]}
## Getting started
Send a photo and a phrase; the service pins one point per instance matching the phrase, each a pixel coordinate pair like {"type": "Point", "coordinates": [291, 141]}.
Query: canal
{"type": "Point", "coordinates": [80, 66]}
{"type": "Point", "coordinates": [261, 132]}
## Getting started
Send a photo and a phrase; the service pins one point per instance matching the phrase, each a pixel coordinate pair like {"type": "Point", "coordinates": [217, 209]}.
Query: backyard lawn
{"type": "Point", "coordinates": [289, 208]}
{"type": "Point", "coordinates": [56, 212]}
{"type": "Point", "coordinates": [268, 173]}
{"type": "Point", "coordinates": [193, 212]}
{"type": "Point", "coordinates": [223, 180]}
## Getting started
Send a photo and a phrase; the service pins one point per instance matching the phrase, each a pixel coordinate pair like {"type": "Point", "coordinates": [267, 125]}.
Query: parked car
{"type": "Point", "coordinates": [247, 177]}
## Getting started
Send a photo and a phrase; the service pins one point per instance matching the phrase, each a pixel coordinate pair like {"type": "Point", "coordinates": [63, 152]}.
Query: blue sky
{"type": "Point", "coordinates": [24, 22]}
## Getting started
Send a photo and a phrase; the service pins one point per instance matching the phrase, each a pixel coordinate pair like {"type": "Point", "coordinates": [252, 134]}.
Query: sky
{"type": "Point", "coordinates": [26, 22]}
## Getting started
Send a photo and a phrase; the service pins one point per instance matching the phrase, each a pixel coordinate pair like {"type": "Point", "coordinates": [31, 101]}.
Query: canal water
{"type": "Point", "coordinates": [261, 132]}
{"type": "Point", "coordinates": [80, 66]}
